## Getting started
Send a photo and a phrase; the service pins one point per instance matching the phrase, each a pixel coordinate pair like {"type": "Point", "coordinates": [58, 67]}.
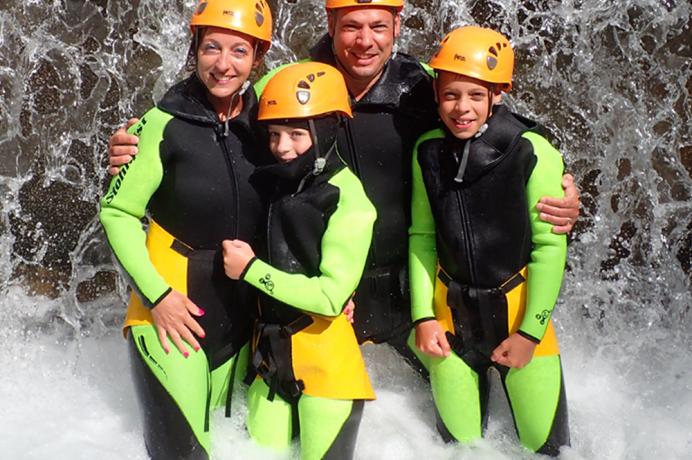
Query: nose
{"type": "Point", "coordinates": [283, 145]}
{"type": "Point", "coordinates": [364, 38]}
{"type": "Point", "coordinates": [462, 105]}
{"type": "Point", "coordinates": [223, 62]}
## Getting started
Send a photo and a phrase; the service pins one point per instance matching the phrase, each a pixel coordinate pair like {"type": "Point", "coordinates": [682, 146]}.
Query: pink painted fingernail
{"type": "Point", "coordinates": [201, 312]}
{"type": "Point", "coordinates": [186, 354]}
{"type": "Point", "coordinates": [197, 348]}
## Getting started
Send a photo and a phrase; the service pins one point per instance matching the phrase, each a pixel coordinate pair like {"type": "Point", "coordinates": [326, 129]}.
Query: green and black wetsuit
{"type": "Point", "coordinates": [306, 354]}
{"type": "Point", "coordinates": [191, 177]}
{"type": "Point", "coordinates": [500, 271]}
{"type": "Point", "coordinates": [377, 144]}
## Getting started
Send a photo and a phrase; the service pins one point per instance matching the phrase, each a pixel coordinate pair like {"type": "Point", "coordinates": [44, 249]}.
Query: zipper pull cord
{"type": "Point", "coordinates": [459, 178]}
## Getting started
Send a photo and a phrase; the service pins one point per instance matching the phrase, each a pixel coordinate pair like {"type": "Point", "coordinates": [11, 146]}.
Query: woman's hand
{"type": "Point", "coordinates": [121, 148]}
{"type": "Point", "coordinates": [561, 212]}
{"type": "Point", "coordinates": [236, 255]}
{"type": "Point", "coordinates": [173, 317]}
{"type": "Point", "coordinates": [431, 340]}
{"type": "Point", "coordinates": [515, 351]}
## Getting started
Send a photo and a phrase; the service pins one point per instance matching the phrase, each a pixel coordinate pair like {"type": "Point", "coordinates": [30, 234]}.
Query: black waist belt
{"type": "Point", "coordinates": [272, 358]}
{"type": "Point", "coordinates": [505, 287]}
{"type": "Point", "coordinates": [479, 325]}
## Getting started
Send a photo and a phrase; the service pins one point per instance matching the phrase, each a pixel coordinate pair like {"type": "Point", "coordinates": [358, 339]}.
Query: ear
{"type": "Point", "coordinates": [331, 22]}
{"type": "Point", "coordinates": [497, 96]}
{"type": "Point", "coordinates": [397, 25]}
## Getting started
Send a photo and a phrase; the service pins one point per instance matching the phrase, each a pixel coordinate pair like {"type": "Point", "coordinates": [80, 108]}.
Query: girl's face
{"type": "Point", "coordinates": [464, 103]}
{"type": "Point", "coordinates": [288, 143]}
{"type": "Point", "coordinates": [224, 61]}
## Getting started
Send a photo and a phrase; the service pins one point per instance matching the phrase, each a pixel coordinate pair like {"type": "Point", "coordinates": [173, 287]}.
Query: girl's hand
{"type": "Point", "coordinates": [173, 317]}
{"type": "Point", "coordinates": [515, 351]}
{"type": "Point", "coordinates": [431, 340]}
{"type": "Point", "coordinates": [349, 309]}
{"type": "Point", "coordinates": [236, 255]}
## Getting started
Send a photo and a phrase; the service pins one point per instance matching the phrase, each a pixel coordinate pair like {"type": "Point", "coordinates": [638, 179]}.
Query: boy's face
{"type": "Point", "coordinates": [287, 142]}
{"type": "Point", "coordinates": [464, 103]}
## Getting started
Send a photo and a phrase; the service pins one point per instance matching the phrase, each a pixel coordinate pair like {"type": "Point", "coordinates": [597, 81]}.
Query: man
{"type": "Point", "coordinates": [393, 104]}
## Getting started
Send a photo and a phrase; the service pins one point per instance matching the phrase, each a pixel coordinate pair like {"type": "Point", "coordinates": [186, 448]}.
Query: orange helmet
{"type": "Point", "coordinates": [476, 52]}
{"type": "Point", "coordinates": [334, 4]}
{"type": "Point", "coordinates": [251, 17]}
{"type": "Point", "coordinates": [304, 90]}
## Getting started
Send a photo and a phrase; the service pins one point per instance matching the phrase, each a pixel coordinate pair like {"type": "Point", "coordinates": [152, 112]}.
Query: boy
{"type": "Point", "coordinates": [485, 271]}
{"type": "Point", "coordinates": [319, 228]}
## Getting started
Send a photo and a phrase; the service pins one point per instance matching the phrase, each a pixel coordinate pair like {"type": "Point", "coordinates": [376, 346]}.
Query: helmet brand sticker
{"type": "Point", "coordinates": [459, 57]}
{"type": "Point", "coordinates": [491, 62]}
{"type": "Point", "coordinates": [303, 97]}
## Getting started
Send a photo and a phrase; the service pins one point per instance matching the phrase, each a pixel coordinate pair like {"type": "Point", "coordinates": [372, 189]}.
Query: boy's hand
{"type": "Point", "coordinates": [173, 317]}
{"type": "Point", "coordinates": [431, 340]}
{"type": "Point", "coordinates": [561, 212]}
{"type": "Point", "coordinates": [515, 351]}
{"type": "Point", "coordinates": [236, 255]}
{"type": "Point", "coordinates": [121, 147]}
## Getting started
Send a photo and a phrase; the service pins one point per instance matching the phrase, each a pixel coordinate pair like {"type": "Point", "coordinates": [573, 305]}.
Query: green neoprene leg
{"type": "Point", "coordinates": [455, 391]}
{"type": "Point", "coordinates": [321, 421]}
{"type": "Point", "coordinates": [185, 379]}
{"type": "Point", "coordinates": [533, 393]}
{"type": "Point", "coordinates": [221, 376]}
{"type": "Point", "coordinates": [269, 423]}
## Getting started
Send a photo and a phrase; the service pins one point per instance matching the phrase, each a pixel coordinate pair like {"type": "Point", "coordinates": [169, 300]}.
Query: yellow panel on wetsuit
{"type": "Point", "coordinates": [329, 362]}
{"type": "Point", "coordinates": [170, 264]}
{"type": "Point", "coordinates": [516, 307]}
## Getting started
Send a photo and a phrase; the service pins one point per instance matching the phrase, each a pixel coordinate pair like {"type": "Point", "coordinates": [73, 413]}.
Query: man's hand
{"type": "Point", "coordinates": [121, 147]}
{"type": "Point", "coordinates": [515, 351]}
{"type": "Point", "coordinates": [561, 212]}
{"type": "Point", "coordinates": [173, 317]}
{"type": "Point", "coordinates": [236, 255]}
{"type": "Point", "coordinates": [431, 340]}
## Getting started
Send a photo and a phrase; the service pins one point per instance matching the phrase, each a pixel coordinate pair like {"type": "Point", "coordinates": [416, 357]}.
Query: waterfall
{"type": "Point", "coordinates": [611, 82]}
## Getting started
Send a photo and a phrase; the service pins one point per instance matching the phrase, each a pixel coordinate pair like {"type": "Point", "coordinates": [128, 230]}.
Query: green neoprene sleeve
{"type": "Point", "coordinates": [345, 244]}
{"type": "Point", "coordinates": [125, 203]}
{"type": "Point", "coordinates": [549, 253]}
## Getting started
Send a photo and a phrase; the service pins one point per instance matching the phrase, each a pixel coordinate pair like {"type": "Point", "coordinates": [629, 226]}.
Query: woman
{"type": "Point", "coordinates": [197, 151]}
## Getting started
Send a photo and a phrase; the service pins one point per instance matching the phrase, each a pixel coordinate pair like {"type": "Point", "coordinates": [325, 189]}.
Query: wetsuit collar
{"type": "Point", "coordinates": [188, 99]}
{"type": "Point", "coordinates": [503, 132]}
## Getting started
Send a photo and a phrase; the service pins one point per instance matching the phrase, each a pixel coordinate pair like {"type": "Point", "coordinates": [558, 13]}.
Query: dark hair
{"type": "Point", "coordinates": [191, 60]}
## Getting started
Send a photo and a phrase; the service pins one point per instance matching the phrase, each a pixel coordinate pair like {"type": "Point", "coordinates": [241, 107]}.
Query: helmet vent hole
{"type": "Point", "coordinates": [492, 51]}
{"type": "Point", "coordinates": [311, 77]}
{"type": "Point", "coordinates": [303, 84]}
{"type": "Point", "coordinates": [319, 74]}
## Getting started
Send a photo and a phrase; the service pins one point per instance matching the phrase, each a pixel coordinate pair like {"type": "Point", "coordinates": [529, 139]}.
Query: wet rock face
{"type": "Point", "coordinates": [610, 83]}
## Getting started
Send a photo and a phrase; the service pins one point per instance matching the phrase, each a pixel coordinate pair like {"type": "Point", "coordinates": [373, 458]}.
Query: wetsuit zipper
{"type": "Point", "coordinates": [221, 137]}
{"type": "Point", "coordinates": [467, 237]}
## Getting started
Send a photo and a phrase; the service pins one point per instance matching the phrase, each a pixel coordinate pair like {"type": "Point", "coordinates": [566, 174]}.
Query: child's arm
{"type": "Point", "coordinates": [430, 337]}
{"type": "Point", "coordinates": [548, 256]}
{"type": "Point", "coordinates": [345, 244]}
